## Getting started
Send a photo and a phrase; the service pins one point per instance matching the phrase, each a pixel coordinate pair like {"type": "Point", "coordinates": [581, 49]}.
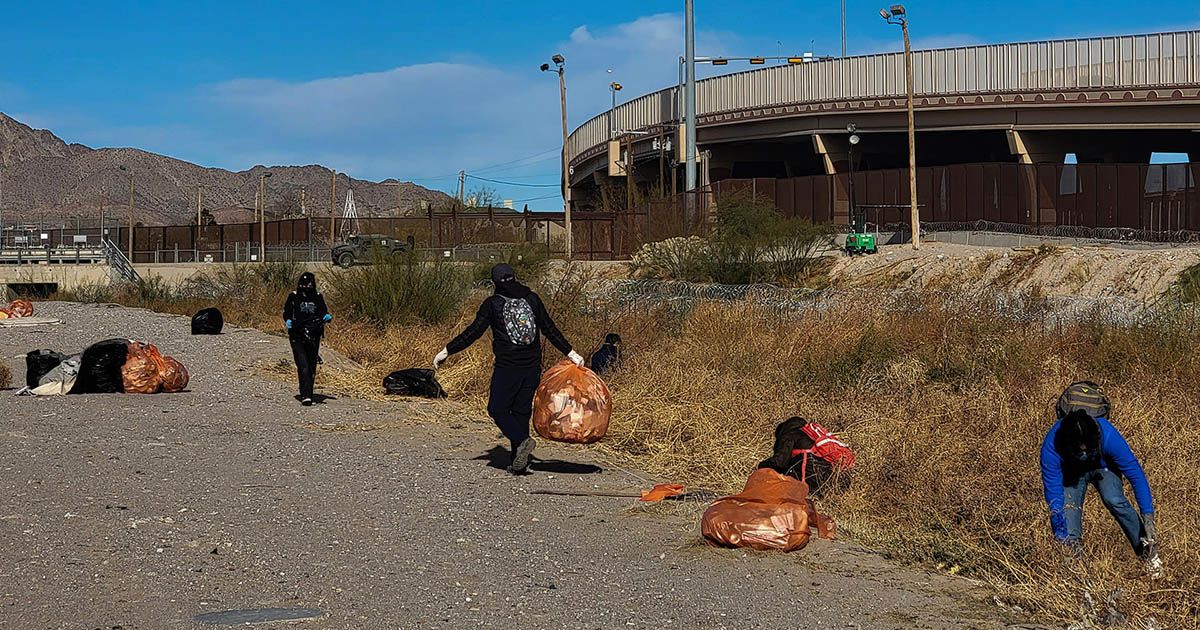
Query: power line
{"type": "Point", "coordinates": [537, 198]}
{"type": "Point", "coordinates": [493, 166]}
{"type": "Point", "coordinates": [496, 181]}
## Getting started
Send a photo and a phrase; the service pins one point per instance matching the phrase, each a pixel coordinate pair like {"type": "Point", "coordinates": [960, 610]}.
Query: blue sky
{"type": "Point", "coordinates": [419, 90]}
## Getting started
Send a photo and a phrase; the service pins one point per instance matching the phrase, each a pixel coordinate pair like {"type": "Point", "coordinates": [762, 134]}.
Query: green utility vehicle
{"type": "Point", "coordinates": [860, 240]}
{"type": "Point", "coordinates": [361, 248]}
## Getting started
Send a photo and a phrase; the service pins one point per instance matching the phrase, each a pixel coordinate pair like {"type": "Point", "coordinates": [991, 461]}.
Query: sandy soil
{"type": "Point", "coordinates": [1053, 271]}
{"type": "Point", "coordinates": [127, 511]}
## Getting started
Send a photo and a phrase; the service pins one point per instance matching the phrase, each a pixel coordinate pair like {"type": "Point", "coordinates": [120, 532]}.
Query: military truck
{"type": "Point", "coordinates": [361, 248]}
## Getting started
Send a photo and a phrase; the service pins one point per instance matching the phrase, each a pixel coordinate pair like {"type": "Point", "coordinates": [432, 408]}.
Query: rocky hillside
{"type": "Point", "coordinates": [44, 177]}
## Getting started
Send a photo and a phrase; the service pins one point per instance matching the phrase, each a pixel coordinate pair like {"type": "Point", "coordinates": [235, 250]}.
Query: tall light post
{"type": "Point", "coordinates": [689, 97]}
{"type": "Point", "coordinates": [843, 29]}
{"type": "Point", "coordinates": [558, 61]}
{"type": "Point", "coordinates": [853, 139]}
{"type": "Point", "coordinates": [613, 88]}
{"type": "Point", "coordinates": [896, 15]}
{"type": "Point", "coordinates": [262, 217]}
{"type": "Point", "coordinates": [131, 192]}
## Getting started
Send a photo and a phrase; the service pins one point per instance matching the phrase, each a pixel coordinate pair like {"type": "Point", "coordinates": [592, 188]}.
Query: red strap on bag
{"type": "Point", "coordinates": [827, 446]}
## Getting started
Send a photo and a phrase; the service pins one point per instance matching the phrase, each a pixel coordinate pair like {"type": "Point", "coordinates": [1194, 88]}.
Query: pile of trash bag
{"type": "Point", "coordinates": [571, 405]}
{"type": "Point", "coordinates": [208, 321]}
{"type": "Point", "coordinates": [17, 308]}
{"type": "Point", "coordinates": [773, 512]}
{"type": "Point", "coordinates": [111, 366]}
{"type": "Point", "coordinates": [413, 382]}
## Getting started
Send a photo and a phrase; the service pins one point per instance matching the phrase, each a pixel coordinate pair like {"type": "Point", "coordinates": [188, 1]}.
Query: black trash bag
{"type": "Point", "coordinates": [413, 382]}
{"type": "Point", "coordinates": [208, 321]}
{"type": "Point", "coordinates": [39, 363]}
{"type": "Point", "coordinates": [100, 368]}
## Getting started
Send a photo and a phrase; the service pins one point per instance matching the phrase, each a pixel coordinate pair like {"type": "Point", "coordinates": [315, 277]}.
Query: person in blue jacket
{"type": "Point", "coordinates": [1083, 448]}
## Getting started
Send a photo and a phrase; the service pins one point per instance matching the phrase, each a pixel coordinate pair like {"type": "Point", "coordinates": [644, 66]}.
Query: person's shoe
{"type": "Point", "coordinates": [520, 459]}
{"type": "Point", "coordinates": [306, 401]}
{"type": "Point", "coordinates": [1154, 566]}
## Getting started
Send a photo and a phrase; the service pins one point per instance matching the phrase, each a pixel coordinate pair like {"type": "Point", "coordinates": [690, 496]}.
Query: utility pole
{"type": "Point", "coordinates": [131, 192]}
{"type": "Point", "coordinates": [462, 181]}
{"type": "Point", "coordinates": [103, 220]}
{"type": "Point", "coordinates": [262, 217]}
{"type": "Point", "coordinates": [897, 15]}
{"type": "Point", "coordinates": [629, 175]}
{"type": "Point", "coordinates": [690, 97]}
{"type": "Point", "coordinates": [332, 206]}
{"type": "Point", "coordinates": [199, 204]}
{"type": "Point", "coordinates": [559, 62]}
{"type": "Point", "coordinates": [1, 208]}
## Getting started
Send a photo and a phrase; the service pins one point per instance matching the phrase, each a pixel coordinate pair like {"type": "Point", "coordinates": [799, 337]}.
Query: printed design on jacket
{"type": "Point", "coordinates": [308, 308]}
{"type": "Point", "coordinates": [519, 321]}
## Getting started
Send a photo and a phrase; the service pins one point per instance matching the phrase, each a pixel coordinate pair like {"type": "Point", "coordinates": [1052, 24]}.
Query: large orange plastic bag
{"type": "Point", "coordinates": [571, 405]}
{"type": "Point", "coordinates": [771, 513]}
{"type": "Point", "coordinates": [20, 308]}
{"type": "Point", "coordinates": [140, 373]}
{"type": "Point", "coordinates": [174, 375]}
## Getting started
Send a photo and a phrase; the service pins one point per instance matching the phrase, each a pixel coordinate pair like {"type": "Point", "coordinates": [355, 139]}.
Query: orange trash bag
{"type": "Point", "coordinates": [173, 374]}
{"type": "Point", "coordinates": [140, 373]}
{"type": "Point", "coordinates": [571, 405]}
{"type": "Point", "coordinates": [771, 513]}
{"type": "Point", "coordinates": [20, 308]}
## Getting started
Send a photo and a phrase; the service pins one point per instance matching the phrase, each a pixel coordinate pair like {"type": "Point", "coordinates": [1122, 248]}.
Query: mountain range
{"type": "Point", "coordinates": [45, 179]}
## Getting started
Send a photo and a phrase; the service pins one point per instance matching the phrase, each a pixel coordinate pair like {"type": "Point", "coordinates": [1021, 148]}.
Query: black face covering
{"type": "Point", "coordinates": [504, 279]}
{"type": "Point", "coordinates": [307, 285]}
{"type": "Point", "coordinates": [1078, 438]}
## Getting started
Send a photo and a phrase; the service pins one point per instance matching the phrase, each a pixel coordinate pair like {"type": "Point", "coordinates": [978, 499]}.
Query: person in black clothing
{"type": "Point", "coordinates": [517, 318]}
{"type": "Point", "coordinates": [305, 316]}
{"type": "Point", "coordinates": [608, 357]}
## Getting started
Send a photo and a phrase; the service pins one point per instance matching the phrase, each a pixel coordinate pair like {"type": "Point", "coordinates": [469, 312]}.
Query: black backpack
{"type": "Point", "coordinates": [413, 382]}
{"type": "Point", "coordinates": [208, 322]}
{"type": "Point", "coordinates": [1083, 395]}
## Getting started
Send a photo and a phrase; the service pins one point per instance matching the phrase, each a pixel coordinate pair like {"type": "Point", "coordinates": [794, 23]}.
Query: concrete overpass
{"type": "Point", "coordinates": [1106, 100]}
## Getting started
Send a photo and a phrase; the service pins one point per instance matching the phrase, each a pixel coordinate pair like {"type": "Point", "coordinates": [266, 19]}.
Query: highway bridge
{"type": "Point", "coordinates": [1107, 100]}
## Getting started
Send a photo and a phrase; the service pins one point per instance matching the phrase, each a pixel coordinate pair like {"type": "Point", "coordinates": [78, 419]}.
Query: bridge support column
{"type": "Point", "coordinates": [834, 150]}
{"type": "Point", "coordinates": [1033, 147]}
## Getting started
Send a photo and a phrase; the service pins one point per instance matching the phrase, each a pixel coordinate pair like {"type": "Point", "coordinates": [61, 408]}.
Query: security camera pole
{"type": "Point", "coordinates": [896, 15]}
{"type": "Point", "coordinates": [689, 97]}
{"type": "Point", "coordinates": [262, 217]}
{"type": "Point", "coordinates": [559, 60]}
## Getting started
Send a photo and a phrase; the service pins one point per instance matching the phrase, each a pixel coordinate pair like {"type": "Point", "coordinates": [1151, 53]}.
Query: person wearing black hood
{"type": "Point", "coordinates": [517, 318]}
{"type": "Point", "coordinates": [305, 316]}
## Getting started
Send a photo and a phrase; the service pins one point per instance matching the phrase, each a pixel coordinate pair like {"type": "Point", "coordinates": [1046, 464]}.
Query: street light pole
{"type": "Point", "coordinates": [559, 60]}
{"type": "Point", "coordinates": [897, 15]}
{"type": "Point", "coordinates": [613, 88]}
{"type": "Point", "coordinates": [843, 29]}
{"type": "Point", "coordinates": [689, 98]}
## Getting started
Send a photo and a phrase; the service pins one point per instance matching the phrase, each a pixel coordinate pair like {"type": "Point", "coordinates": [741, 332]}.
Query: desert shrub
{"type": "Point", "coordinates": [529, 260]}
{"type": "Point", "coordinates": [400, 289]}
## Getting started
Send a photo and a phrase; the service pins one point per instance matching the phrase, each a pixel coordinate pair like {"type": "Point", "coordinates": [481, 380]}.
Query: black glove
{"type": "Point", "coordinates": [1148, 526]}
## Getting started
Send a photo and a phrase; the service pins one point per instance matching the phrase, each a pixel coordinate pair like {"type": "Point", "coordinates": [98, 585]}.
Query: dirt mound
{"type": "Point", "coordinates": [1045, 270]}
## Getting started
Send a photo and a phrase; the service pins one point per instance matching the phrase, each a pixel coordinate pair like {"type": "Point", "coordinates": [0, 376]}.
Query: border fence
{"type": "Point", "coordinates": [1143, 202]}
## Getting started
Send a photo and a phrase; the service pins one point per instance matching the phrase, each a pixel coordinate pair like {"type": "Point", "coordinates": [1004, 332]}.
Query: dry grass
{"type": "Point", "coordinates": [945, 405]}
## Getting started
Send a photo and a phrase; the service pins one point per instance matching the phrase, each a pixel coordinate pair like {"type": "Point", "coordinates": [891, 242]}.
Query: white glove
{"type": "Point", "coordinates": [440, 358]}
{"type": "Point", "coordinates": [575, 358]}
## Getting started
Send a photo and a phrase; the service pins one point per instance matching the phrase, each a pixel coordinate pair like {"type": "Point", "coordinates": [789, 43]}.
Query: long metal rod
{"type": "Point", "coordinates": [131, 215]}
{"type": "Point", "coordinates": [690, 96]}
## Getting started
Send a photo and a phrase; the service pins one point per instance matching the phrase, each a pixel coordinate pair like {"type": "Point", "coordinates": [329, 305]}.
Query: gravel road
{"type": "Point", "coordinates": [142, 512]}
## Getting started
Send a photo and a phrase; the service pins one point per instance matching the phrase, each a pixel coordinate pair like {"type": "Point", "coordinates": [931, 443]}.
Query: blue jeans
{"type": "Point", "coordinates": [1112, 493]}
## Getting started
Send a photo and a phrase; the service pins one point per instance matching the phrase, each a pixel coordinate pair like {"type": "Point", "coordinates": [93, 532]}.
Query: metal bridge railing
{"type": "Point", "coordinates": [120, 265]}
{"type": "Point", "coordinates": [1126, 61]}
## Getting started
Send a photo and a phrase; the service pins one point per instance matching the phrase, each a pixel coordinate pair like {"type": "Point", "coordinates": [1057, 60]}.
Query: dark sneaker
{"type": "Point", "coordinates": [520, 459]}
{"type": "Point", "coordinates": [306, 401]}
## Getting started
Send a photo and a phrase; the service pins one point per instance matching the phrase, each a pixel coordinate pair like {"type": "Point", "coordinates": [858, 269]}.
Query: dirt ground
{"type": "Point", "coordinates": [1052, 271]}
{"type": "Point", "coordinates": [141, 512]}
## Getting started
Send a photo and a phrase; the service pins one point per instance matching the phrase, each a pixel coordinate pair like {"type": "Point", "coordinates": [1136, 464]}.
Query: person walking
{"type": "Point", "coordinates": [305, 316]}
{"type": "Point", "coordinates": [518, 319]}
{"type": "Point", "coordinates": [1083, 448]}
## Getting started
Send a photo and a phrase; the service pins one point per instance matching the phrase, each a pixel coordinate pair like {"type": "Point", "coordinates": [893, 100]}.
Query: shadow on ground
{"type": "Point", "coordinates": [498, 457]}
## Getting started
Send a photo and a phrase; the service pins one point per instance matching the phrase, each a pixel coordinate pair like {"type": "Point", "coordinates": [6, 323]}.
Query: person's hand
{"type": "Point", "coordinates": [1148, 525]}
{"type": "Point", "coordinates": [328, 318]}
{"type": "Point", "coordinates": [287, 323]}
{"type": "Point", "coordinates": [440, 358]}
{"type": "Point", "coordinates": [575, 358]}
